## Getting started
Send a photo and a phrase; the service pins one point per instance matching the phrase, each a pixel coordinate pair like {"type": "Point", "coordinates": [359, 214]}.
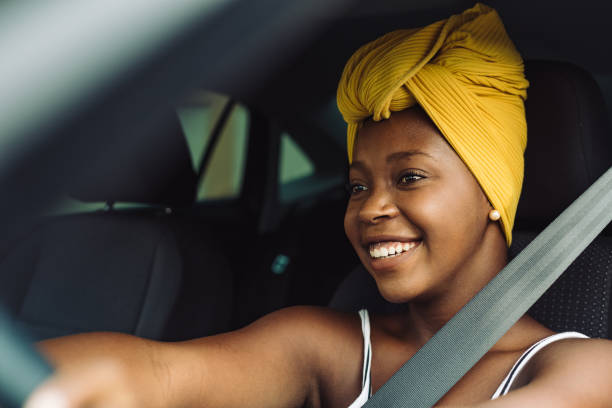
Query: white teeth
{"type": "Point", "coordinates": [388, 249]}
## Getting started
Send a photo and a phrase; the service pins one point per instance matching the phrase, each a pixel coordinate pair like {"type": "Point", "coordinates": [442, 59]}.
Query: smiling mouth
{"type": "Point", "coordinates": [390, 249]}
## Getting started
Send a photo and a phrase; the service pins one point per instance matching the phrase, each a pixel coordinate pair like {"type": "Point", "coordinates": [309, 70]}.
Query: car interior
{"type": "Point", "coordinates": [227, 210]}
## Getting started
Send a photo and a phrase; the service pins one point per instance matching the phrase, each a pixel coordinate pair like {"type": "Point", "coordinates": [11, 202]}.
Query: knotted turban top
{"type": "Point", "coordinates": [468, 77]}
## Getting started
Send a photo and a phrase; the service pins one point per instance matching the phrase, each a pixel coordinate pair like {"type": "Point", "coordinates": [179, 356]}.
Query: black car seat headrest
{"type": "Point", "coordinates": [569, 140]}
{"type": "Point", "coordinates": [155, 169]}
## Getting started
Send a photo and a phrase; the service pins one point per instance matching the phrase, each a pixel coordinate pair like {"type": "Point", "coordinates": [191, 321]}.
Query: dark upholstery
{"type": "Point", "coordinates": [204, 306]}
{"type": "Point", "coordinates": [580, 298]}
{"type": "Point", "coordinates": [93, 272]}
{"type": "Point", "coordinates": [158, 172]}
{"type": "Point", "coordinates": [569, 146]}
{"type": "Point", "coordinates": [569, 142]}
{"type": "Point", "coordinates": [359, 291]}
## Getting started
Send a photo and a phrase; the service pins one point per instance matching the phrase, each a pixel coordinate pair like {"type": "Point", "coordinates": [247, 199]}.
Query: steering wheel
{"type": "Point", "coordinates": [22, 368]}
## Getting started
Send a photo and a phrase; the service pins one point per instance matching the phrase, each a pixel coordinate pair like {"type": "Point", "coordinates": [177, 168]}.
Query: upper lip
{"type": "Point", "coordinates": [372, 239]}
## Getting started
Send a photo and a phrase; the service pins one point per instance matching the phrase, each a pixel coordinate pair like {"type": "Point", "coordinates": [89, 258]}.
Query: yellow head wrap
{"type": "Point", "coordinates": [468, 77]}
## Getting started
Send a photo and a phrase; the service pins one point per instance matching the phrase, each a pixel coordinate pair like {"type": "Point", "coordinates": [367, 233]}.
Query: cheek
{"type": "Point", "coordinates": [429, 212]}
{"type": "Point", "coordinates": [449, 215]}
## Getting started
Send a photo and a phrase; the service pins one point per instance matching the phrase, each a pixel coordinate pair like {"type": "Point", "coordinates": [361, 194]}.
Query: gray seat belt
{"type": "Point", "coordinates": [459, 344]}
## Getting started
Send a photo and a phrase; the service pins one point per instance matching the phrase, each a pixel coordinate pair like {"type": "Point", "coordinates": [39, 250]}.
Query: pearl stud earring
{"type": "Point", "coordinates": [494, 215]}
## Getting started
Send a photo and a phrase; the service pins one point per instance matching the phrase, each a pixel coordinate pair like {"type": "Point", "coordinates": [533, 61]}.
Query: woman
{"type": "Point", "coordinates": [436, 134]}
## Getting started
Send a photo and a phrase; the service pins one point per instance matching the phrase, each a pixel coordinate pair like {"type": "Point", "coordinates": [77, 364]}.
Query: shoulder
{"type": "Point", "coordinates": [316, 331]}
{"type": "Point", "coordinates": [577, 354]}
{"type": "Point", "coordinates": [577, 370]}
{"type": "Point", "coordinates": [312, 321]}
{"type": "Point", "coordinates": [310, 315]}
{"type": "Point", "coordinates": [576, 351]}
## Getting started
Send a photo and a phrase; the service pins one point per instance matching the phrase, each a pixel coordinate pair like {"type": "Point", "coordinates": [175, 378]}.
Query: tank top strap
{"type": "Point", "coordinates": [366, 383]}
{"type": "Point", "coordinates": [506, 384]}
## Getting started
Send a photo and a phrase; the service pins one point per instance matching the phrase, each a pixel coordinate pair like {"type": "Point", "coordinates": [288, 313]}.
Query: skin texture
{"type": "Point", "coordinates": [407, 184]}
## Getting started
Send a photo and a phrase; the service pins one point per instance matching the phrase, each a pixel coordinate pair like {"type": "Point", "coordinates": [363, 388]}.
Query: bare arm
{"type": "Point", "coordinates": [101, 368]}
{"type": "Point", "coordinates": [267, 364]}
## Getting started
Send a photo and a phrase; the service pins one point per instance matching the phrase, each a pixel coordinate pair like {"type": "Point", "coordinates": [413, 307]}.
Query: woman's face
{"type": "Point", "coordinates": [416, 216]}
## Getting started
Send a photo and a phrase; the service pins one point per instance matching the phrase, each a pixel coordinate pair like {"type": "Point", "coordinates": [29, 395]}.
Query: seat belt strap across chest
{"type": "Point", "coordinates": [459, 344]}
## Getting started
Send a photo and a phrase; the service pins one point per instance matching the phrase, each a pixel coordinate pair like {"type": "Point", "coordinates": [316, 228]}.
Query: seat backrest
{"type": "Point", "coordinates": [146, 272]}
{"type": "Point", "coordinates": [93, 272]}
{"type": "Point", "coordinates": [580, 299]}
{"type": "Point", "coordinates": [569, 143]}
{"type": "Point", "coordinates": [569, 147]}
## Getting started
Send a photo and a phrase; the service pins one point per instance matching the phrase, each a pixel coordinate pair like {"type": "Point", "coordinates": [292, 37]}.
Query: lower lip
{"type": "Point", "coordinates": [381, 264]}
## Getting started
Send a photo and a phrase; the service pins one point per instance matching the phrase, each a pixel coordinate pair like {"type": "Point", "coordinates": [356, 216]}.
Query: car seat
{"type": "Point", "coordinates": [569, 147]}
{"type": "Point", "coordinates": [132, 271]}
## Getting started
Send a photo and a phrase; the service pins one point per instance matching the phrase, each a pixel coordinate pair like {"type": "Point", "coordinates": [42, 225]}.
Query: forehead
{"type": "Point", "coordinates": [408, 130]}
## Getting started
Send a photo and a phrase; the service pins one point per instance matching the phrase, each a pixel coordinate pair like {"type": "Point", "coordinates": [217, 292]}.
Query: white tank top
{"type": "Point", "coordinates": [503, 388]}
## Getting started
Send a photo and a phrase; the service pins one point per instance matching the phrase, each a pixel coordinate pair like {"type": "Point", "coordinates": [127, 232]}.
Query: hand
{"type": "Point", "coordinates": [100, 384]}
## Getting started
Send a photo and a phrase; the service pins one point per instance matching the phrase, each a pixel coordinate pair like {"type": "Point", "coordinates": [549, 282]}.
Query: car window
{"type": "Point", "coordinates": [198, 116]}
{"type": "Point", "coordinates": [223, 176]}
{"type": "Point", "coordinates": [293, 163]}
{"type": "Point", "coordinates": [298, 174]}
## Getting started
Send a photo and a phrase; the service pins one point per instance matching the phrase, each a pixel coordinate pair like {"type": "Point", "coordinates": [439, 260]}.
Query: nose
{"type": "Point", "coordinates": [377, 207]}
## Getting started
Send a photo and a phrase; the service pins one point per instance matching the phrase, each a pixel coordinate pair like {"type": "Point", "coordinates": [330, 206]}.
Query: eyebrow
{"type": "Point", "coordinates": [407, 154]}
{"type": "Point", "coordinates": [393, 157]}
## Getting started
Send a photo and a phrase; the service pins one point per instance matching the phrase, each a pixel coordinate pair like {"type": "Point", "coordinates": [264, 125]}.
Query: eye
{"type": "Point", "coordinates": [355, 188]}
{"type": "Point", "coordinates": [410, 177]}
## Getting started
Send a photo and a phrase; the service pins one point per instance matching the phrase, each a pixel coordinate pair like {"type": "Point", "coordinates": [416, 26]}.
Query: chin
{"type": "Point", "coordinates": [396, 292]}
